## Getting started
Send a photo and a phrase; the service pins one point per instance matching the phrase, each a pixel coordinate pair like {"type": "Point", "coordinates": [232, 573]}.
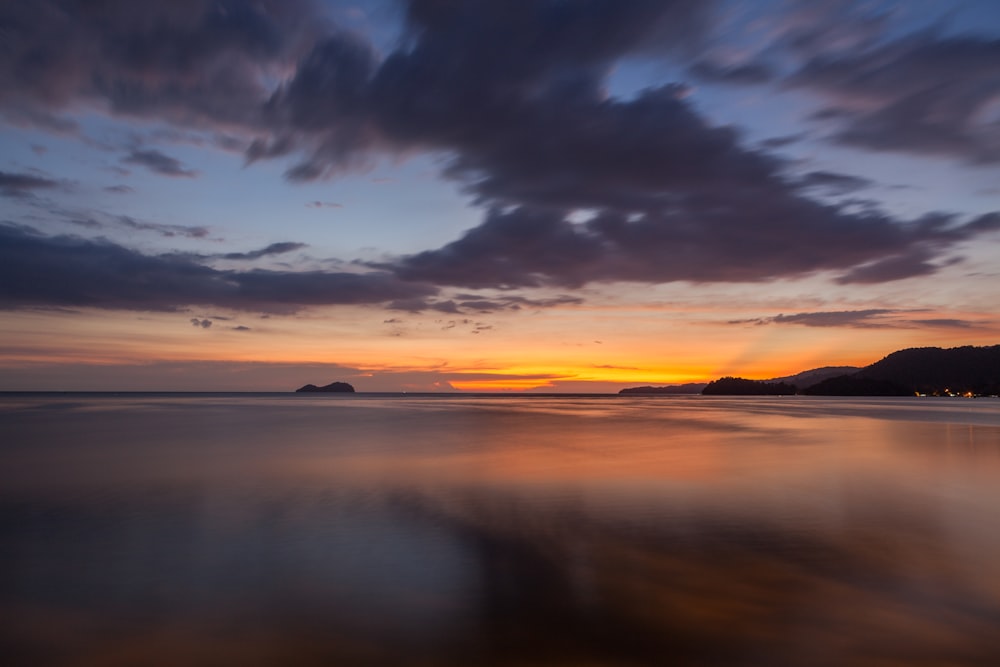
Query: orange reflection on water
{"type": "Point", "coordinates": [503, 531]}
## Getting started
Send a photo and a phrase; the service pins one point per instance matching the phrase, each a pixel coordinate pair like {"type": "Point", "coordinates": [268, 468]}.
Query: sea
{"type": "Point", "coordinates": [585, 530]}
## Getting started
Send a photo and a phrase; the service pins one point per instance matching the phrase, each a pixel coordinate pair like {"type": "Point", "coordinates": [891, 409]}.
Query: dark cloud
{"type": "Point", "coordinates": [474, 303]}
{"type": "Point", "coordinates": [419, 305]}
{"type": "Point", "coordinates": [19, 184]}
{"type": "Point", "coordinates": [834, 183]}
{"type": "Point", "coordinates": [204, 324]}
{"type": "Point", "coordinates": [780, 142]}
{"type": "Point", "coordinates": [916, 262]}
{"type": "Point", "coordinates": [192, 62]}
{"type": "Point", "coordinates": [273, 249]}
{"type": "Point", "coordinates": [67, 271]}
{"type": "Point", "coordinates": [323, 204]}
{"type": "Point", "coordinates": [874, 318]}
{"type": "Point", "coordinates": [96, 219]}
{"type": "Point", "coordinates": [924, 94]}
{"type": "Point", "coordinates": [531, 133]}
{"type": "Point", "coordinates": [464, 70]}
{"type": "Point", "coordinates": [119, 189]}
{"type": "Point", "coordinates": [167, 231]}
{"type": "Point", "coordinates": [946, 323]}
{"type": "Point", "coordinates": [513, 98]}
{"type": "Point", "coordinates": [751, 73]}
{"type": "Point", "coordinates": [159, 163]}
{"type": "Point", "coordinates": [747, 235]}
{"type": "Point", "coordinates": [242, 328]}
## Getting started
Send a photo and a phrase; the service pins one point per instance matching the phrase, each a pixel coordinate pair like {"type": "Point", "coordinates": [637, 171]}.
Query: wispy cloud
{"type": "Point", "coordinates": [168, 231]}
{"type": "Point", "coordinates": [21, 184]}
{"type": "Point", "coordinates": [280, 248]}
{"type": "Point", "coordinates": [159, 163]}
{"type": "Point", "coordinates": [872, 318]}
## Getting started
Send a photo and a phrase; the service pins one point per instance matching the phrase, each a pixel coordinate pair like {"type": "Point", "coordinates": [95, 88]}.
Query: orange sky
{"type": "Point", "coordinates": [621, 339]}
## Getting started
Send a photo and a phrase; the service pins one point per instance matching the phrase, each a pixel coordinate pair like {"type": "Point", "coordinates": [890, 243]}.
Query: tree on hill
{"type": "Point", "coordinates": [733, 386]}
{"type": "Point", "coordinates": [931, 370]}
{"type": "Point", "coordinates": [855, 385]}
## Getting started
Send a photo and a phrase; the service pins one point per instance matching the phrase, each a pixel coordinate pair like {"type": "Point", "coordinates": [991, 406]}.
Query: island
{"type": "Point", "coordinates": [332, 388]}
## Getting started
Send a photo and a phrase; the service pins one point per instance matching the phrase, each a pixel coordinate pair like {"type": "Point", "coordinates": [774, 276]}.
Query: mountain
{"type": "Point", "coordinates": [803, 379]}
{"type": "Point", "coordinates": [854, 385]}
{"type": "Point", "coordinates": [973, 371]}
{"type": "Point", "coordinates": [957, 371]}
{"type": "Point", "coordinates": [930, 370]}
{"type": "Point", "coordinates": [811, 377]}
{"type": "Point", "coordinates": [333, 387]}
{"type": "Point", "coordinates": [674, 389]}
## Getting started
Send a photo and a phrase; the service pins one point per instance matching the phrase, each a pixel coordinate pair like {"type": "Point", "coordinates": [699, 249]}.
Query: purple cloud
{"type": "Point", "coordinates": [158, 163]}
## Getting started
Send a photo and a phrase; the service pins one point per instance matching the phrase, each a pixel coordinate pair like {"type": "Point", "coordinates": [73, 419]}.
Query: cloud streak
{"type": "Point", "coordinates": [67, 271]}
{"type": "Point", "coordinates": [872, 318]}
{"type": "Point", "coordinates": [13, 184]}
{"type": "Point", "coordinates": [159, 163]}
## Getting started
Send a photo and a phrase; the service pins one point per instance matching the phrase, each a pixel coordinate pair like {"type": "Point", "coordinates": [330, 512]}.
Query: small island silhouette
{"type": "Point", "coordinates": [333, 387]}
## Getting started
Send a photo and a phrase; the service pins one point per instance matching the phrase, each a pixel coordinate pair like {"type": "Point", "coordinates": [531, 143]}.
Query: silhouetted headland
{"type": "Point", "coordinates": [333, 387]}
{"type": "Point", "coordinates": [922, 371]}
{"type": "Point", "coordinates": [674, 389]}
{"type": "Point", "coordinates": [732, 386]}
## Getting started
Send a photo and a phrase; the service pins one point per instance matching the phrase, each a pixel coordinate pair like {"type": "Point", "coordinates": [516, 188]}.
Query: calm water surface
{"type": "Point", "coordinates": [365, 530]}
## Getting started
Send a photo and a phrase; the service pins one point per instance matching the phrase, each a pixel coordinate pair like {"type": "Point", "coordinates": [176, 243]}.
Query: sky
{"type": "Point", "coordinates": [486, 195]}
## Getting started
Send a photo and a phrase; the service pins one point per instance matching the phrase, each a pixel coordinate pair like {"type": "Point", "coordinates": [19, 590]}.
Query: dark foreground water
{"type": "Point", "coordinates": [354, 530]}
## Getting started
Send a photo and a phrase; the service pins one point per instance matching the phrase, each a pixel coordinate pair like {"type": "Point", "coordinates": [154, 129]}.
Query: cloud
{"type": "Point", "coordinates": [780, 142]}
{"type": "Point", "coordinates": [834, 183]}
{"type": "Point", "coordinates": [873, 318]}
{"type": "Point", "coordinates": [167, 231]}
{"type": "Point", "coordinates": [273, 249]}
{"type": "Point", "coordinates": [242, 328]}
{"type": "Point", "coordinates": [516, 103]}
{"type": "Point", "coordinates": [323, 204]}
{"type": "Point", "coordinates": [119, 189]}
{"type": "Point", "coordinates": [459, 75]}
{"type": "Point", "coordinates": [947, 323]}
{"type": "Point", "coordinates": [753, 234]}
{"type": "Point", "coordinates": [158, 163]}
{"type": "Point", "coordinates": [204, 324]}
{"type": "Point", "coordinates": [419, 305]}
{"type": "Point", "coordinates": [750, 73]}
{"type": "Point", "coordinates": [922, 94]}
{"type": "Point", "coordinates": [193, 63]}
{"type": "Point", "coordinates": [534, 138]}
{"type": "Point", "coordinates": [19, 184]}
{"type": "Point", "coordinates": [474, 303]}
{"type": "Point", "coordinates": [67, 271]}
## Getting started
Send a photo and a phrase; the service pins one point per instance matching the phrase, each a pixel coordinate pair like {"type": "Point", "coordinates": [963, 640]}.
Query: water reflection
{"type": "Point", "coordinates": [638, 533]}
